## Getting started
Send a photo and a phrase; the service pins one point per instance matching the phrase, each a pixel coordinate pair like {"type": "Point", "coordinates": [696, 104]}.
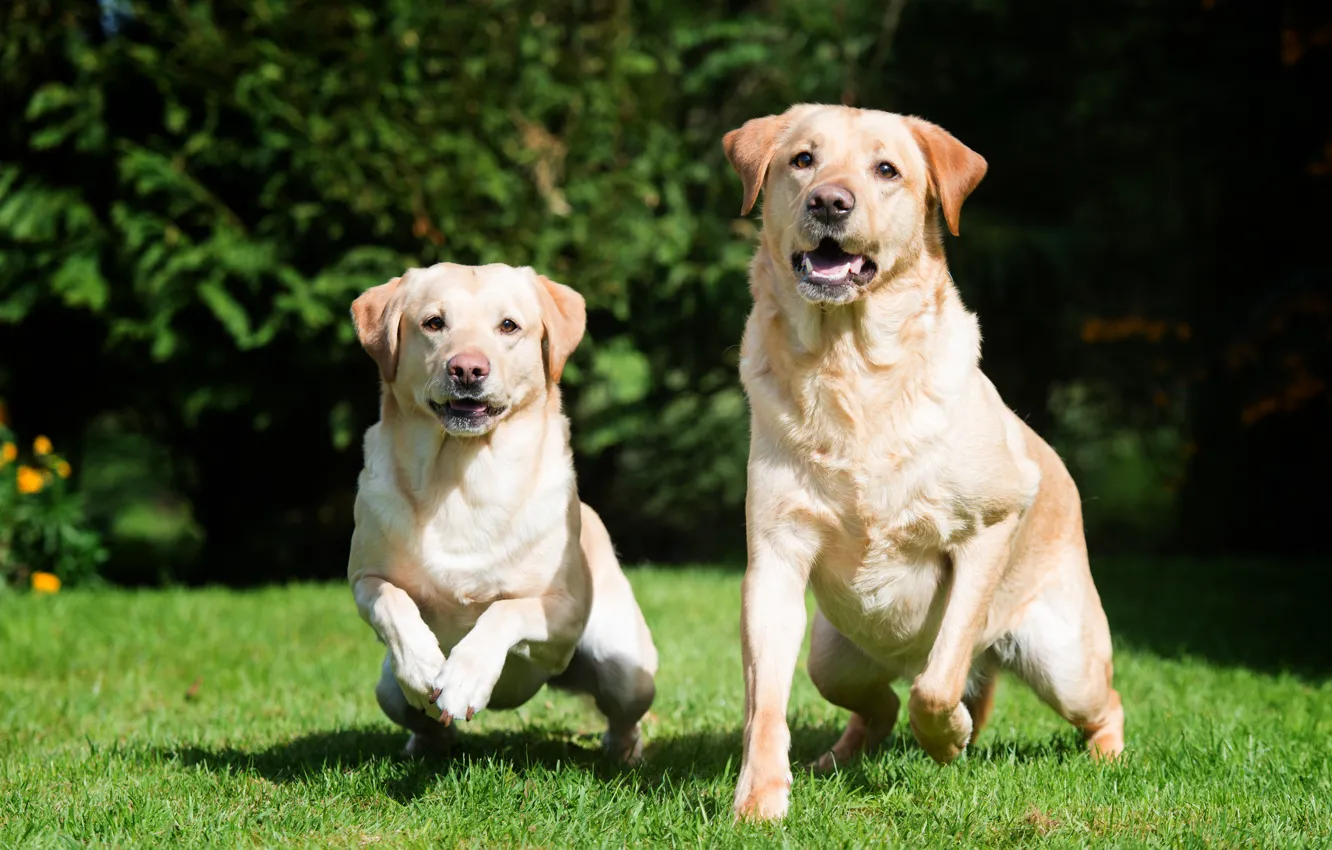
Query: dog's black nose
{"type": "Point", "coordinates": [830, 203]}
{"type": "Point", "coordinates": [469, 367]}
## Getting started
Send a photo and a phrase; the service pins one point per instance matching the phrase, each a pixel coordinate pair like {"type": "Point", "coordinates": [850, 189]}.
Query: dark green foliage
{"type": "Point", "coordinates": [188, 206]}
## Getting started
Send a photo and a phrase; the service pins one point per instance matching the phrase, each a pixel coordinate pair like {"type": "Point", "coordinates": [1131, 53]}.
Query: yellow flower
{"type": "Point", "coordinates": [62, 468]}
{"type": "Point", "coordinates": [29, 479]}
{"type": "Point", "coordinates": [41, 446]}
{"type": "Point", "coordinates": [8, 452]}
{"type": "Point", "coordinates": [46, 582]}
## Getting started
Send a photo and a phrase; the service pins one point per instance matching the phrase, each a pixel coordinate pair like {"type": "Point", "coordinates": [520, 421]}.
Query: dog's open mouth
{"type": "Point", "coordinates": [462, 406]}
{"type": "Point", "coordinates": [464, 413]}
{"type": "Point", "coordinates": [828, 266]}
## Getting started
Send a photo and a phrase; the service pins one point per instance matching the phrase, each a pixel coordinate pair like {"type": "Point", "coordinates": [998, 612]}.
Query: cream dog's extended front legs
{"type": "Point", "coordinates": [941, 723]}
{"type": "Point", "coordinates": [543, 629]}
{"type": "Point", "coordinates": [772, 623]}
{"type": "Point", "coordinates": [413, 650]}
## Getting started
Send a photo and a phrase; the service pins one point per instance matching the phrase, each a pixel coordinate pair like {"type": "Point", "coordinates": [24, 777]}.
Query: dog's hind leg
{"type": "Point", "coordinates": [849, 678]}
{"type": "Point", "coordinates": [622, 689]}
{"type": "Point", "coordinates": [1064, 654]}
{"type": "Point", "coordinates": [615, 663]}
{"type": "Point", "coordinates": [979, 698]}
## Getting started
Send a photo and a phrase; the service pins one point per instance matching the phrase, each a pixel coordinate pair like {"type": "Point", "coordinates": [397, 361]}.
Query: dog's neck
{"type": "Point", "coordinates": [861, 377]}
{"type": "Point", "coordinates": [909, 307]}
{"type": "Point", "coordinates": [426, 456]}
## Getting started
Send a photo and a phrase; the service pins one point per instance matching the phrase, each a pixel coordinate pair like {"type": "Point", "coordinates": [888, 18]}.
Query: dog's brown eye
{"type": "Point", "coordinates": [885, 169]}
{"type": "Point", "coordinates": [804, 159]}
{"type": "Point", "coordinates": [434, 323]}
{"type": "Point", "coordinates": [508, 326]}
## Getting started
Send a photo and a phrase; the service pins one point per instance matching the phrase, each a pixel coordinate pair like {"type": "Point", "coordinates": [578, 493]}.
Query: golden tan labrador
{"type": "Point", "coordinates": [473, 559]}
{"type": "Point", "coordinates": [942, 537]}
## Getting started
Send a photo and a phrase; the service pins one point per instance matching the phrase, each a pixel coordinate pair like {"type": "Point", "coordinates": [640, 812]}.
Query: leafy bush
{"type": "Point", "coordinates": [191, 193]}
{"type": "Point", "coordinates": [210, 186]}
{"type": "Point", "coordinates": [42, 524]}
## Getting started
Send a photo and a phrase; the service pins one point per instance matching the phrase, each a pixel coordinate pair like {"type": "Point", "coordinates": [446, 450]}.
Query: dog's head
{"type": "Point", "coordinates": [469, 345]}
{"type": "Point", "coordinates": [850, 193]}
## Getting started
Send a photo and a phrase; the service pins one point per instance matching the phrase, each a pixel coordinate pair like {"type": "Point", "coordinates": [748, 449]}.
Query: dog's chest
{"type": "Point", "coordinates": [889, 606]}
{"type": "Point", "coordinates": [501, 540]}
{"type": "Point", "coordinates": [882, 575]}
{"type": "Point", "coordinates": [474, 542]}
{"type": "Point", "coordinates": [878, 455]}
{"type": "Point", "coordinates": [469, 552]}
{"type": "Point", "coordinates": [877, 449]}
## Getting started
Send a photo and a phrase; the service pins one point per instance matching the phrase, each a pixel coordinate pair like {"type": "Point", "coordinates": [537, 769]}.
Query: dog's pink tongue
{"type": "Point", "coordinates": [838, 268]}
{"type": "Point", "coordinates": [467, 406]}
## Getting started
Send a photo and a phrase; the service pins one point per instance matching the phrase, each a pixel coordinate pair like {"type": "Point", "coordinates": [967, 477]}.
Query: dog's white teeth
{"type": "Point", "coordinates": [809, 264]}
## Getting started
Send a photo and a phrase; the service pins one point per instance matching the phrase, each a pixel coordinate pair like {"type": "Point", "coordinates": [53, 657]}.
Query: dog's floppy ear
{"type": "Point", "coordinates": [955, 169]}
{"type": "Point", "coordinates": [750, 150]}
{"type": "Point", "coordinates": [376, 313]}
{"type": "Point", "coordinates": [564, 315]}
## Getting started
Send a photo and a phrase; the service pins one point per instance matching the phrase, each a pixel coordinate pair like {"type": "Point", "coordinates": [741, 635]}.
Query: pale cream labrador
{"type": "Point", "coordinates": [942, 537]}
{"type": "Point", "coordinates": [473, 559]}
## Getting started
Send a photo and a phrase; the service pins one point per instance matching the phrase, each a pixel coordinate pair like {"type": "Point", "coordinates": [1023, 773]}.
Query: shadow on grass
{"type": "Point", "coordinates": [694, 757]}
{"type": "Point", "coordinates": [305, 759]}
{"type": "Point", "coordinates": [1268, 616]}
{"type": "Point", "coordinates": [809, 742]}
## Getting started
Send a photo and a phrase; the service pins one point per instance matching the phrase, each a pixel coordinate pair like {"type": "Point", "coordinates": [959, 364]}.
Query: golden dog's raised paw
{"type": "Point", "coordinates": [942, 734]}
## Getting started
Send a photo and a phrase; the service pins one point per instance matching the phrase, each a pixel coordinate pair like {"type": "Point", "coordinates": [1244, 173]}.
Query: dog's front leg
{"type": "Point", "coordinates": [544, 629]}
{"type": "Point", "coordinates": [772, 624]}
{"type": "Point", "coordinates": [940, 721]}
{"type": "Point", "coordinates": [414, 651]}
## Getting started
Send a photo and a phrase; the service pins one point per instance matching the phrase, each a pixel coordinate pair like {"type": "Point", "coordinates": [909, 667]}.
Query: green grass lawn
{"type": "Point", "coordinates": [248, 718]}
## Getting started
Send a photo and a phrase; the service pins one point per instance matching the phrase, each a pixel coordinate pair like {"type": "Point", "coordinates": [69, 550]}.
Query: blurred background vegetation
{"type": "Point", "coordinates": [192, 192]}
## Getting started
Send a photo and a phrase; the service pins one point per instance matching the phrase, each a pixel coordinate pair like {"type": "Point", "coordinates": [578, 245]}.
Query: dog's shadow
{"type": "Point", "coordinates": [379, 750]}
{"type": "Point", "coordinates": [671, 760]}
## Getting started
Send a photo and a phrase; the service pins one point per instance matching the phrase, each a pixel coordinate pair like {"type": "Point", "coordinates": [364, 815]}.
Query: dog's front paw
{"type": "Point", "coordinates": [418, 672]}
{"type": "Point", "coordinates": [762, 797]}
{"type": "Point", "coordinates": [464, 687]}
{"type": "Point", "coordinates": [943, 731]}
